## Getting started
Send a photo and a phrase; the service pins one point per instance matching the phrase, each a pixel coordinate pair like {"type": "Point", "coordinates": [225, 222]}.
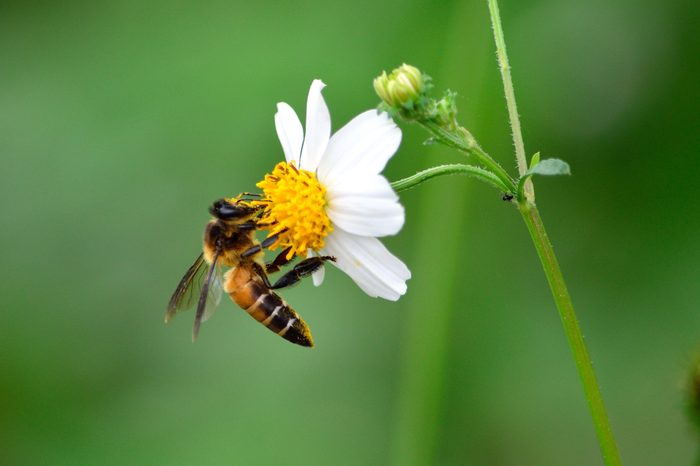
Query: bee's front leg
{"type": "Point", "coordinates": [247, 226]}
{"type": "Point", "coordinates": [259, 247]}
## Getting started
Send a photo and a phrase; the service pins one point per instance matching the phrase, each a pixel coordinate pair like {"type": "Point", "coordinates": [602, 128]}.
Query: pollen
{"type": "Point", "coordinates": [294, 204]}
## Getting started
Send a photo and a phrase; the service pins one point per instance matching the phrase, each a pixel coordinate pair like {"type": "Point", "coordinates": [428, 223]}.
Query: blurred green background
{"type": "Point", "coordinates": [121, 121]}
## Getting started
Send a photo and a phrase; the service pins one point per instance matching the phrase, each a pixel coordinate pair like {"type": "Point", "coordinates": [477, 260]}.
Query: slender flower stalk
{"type": "Point", "coordinates": [452, 169]}
{"type": "Point", "coordinates": [532, 219]}
{"type": "Point", "coordinates": [438, 117]}
{"type": "Point", "coordinates": [573, 332]}
{"type": "Point", "coordinates": [464, 142]}
{"type": "Point", "coordinates": [504, 66]}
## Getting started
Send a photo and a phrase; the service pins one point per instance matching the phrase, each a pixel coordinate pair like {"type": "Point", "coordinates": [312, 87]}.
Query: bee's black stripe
{"type": "Point", "coordinates": [290, 325]}
{"type": "Point", "coordinates": [267, 321]}
{"type": "Point", "coordinates": [273, 312]}
{"type": "Point", "coordinates": [280, 309]}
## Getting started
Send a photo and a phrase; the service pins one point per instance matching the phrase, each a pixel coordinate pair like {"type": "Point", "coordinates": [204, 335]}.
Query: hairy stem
{"type": "Point", "coordinates": [573, 332]}
{"type": "Point", "coordinates": [504, 66]}
{"type": "Point", "coordinates": [452, 169]}
{"type": "Point", "coordinates": [463, 141]}
{"type": "Point", "coordinates": [532, 219]}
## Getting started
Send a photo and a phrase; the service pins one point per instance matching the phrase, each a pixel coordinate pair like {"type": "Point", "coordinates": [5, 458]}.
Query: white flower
{"type": "Point", "coordinates": [349, 203]}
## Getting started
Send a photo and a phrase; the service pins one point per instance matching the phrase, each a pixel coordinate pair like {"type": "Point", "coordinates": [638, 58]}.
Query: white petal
{"type": "Point", "coordinates": [320, 273]}
{"type": "Point", "coordinates": [318, 128]}
{"type": "Point", "coordinates": [289, 132]}
{"type": "Point", "coordinates": [365, 206]}
{"type": "Point", "coordinates": [375, 270]}
{"type": "Point", "coordinates": [318, 276]}
{"type": "Point", "coordinates": [364, 146]}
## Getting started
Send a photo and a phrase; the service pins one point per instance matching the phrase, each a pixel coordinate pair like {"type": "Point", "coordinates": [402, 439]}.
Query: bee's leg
{"type": "Point", "coordinates": [279, 261]}
{"type": "Point", "coordinates": [247, 226]}
{"type": "Point", "coordinates": [301, 270]}
{"type": "Point", "coordinates": [259, 247]}
{"type": "Point", "coordinates": [261, 273]}
{"type": "Point", "coordinates": [250, 197]}
{"type": "Point", "coordinates": [272, 267]}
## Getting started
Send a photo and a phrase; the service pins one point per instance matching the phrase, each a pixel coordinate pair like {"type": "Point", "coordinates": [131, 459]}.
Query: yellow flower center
{"type": "Point", "coordinates": [294, 209]}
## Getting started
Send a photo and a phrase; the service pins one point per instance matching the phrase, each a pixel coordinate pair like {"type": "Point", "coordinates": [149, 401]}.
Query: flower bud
{"type": "Point", "coordinates": [446, 111]}
{"type": "Point", "coordinates": [381, 86]}
{"type": "Point", "coordinates": [401, 88]}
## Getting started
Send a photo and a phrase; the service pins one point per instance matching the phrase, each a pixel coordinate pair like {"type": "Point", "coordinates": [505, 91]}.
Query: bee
{"type": "Point", "coordinates": [229, 241]}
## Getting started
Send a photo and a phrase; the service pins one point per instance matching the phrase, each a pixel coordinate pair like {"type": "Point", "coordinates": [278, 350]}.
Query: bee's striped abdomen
{"type": "Point", "coordinates": [250, 293]}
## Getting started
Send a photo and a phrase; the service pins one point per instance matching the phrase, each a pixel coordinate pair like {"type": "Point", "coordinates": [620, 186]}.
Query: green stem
{"type": "Point", "coordinates": [463, 141]}
{"type": "Point", "coordinates": [504, 66]}
{"type": "Point", "coordinates": [560, 293]}
{"type": "Point", "coordinates": [573, 332]}
{"type": "Point", "coordinates": [452, 169]}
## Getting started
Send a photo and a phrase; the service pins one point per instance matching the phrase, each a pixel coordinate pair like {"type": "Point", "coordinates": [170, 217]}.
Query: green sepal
{"type": "Point", "coordinates": [383, 107]}
{"type": "Point", "coordinates": [534, 160]}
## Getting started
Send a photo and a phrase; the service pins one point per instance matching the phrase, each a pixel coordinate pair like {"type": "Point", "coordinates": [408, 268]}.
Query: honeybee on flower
{"type": "Point", "coordinates": [328, 200]}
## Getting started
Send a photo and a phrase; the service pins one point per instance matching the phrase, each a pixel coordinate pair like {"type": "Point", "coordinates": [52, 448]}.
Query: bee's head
{"type": "Point", "coordinates": [225, 210]}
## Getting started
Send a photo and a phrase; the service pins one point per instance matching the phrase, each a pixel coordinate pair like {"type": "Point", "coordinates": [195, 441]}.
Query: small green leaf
{"type": "Point", "coordinates": [550, 167]}
{"type": "Point", "coordinates": [534, 160]}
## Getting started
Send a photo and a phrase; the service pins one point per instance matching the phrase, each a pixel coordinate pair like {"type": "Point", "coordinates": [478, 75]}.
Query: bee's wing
{"type": "Point", "coordinates": [215, 291]}
{"type": "Point", "coordinates": [188, 292]}
{"type": "Point", "coordinates": [206, 293]}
